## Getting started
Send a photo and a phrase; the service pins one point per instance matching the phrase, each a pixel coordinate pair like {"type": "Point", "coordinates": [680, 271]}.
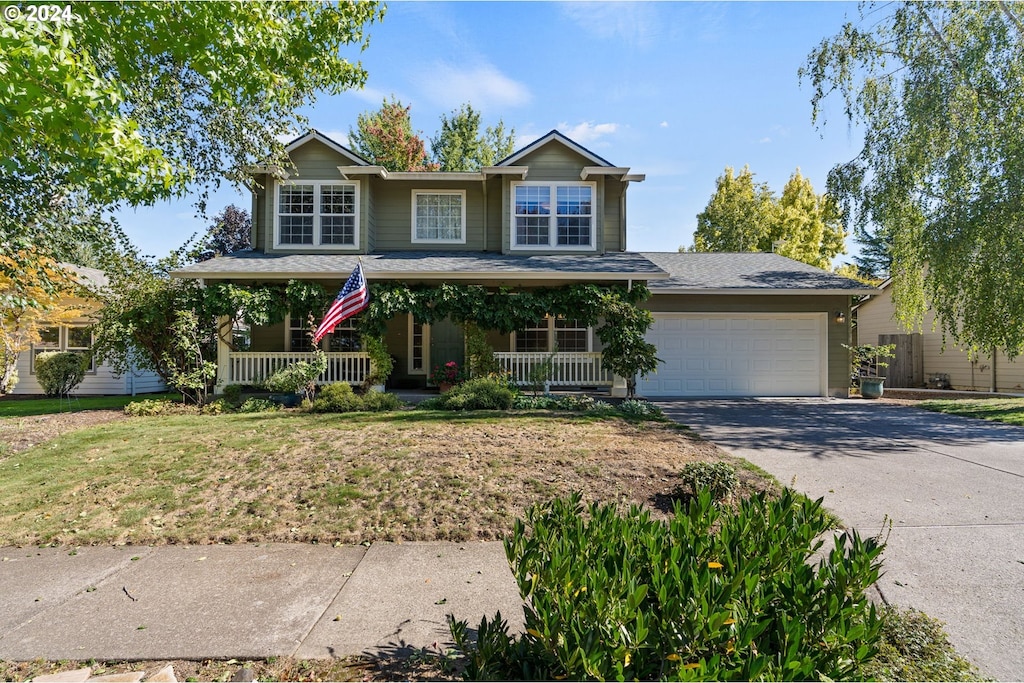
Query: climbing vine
{"type": "Point", "coordinates": [612, 309]}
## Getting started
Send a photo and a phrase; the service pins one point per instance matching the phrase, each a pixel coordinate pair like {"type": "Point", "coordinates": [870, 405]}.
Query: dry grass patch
{"type": "Point", "coordinates": [413, 475]}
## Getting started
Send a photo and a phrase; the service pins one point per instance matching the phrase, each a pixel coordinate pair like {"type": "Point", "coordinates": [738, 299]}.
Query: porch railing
{"type": "Point", "coordinates": [570, 369]}
{"type": "Point", "coordinates": [249, 367]}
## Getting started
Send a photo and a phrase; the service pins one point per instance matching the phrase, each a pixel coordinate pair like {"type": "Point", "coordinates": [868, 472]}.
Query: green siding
{"type": "Point", "coordinates": [614, 195]}
{"type": "Point", "coordinates": [838, 334]}
{"type": "Point", "coordinates": [393, 215]}
{"type": "Point", "coordinates": [554, 161]}
{"type": "Point", "coordinates": [267, 338]}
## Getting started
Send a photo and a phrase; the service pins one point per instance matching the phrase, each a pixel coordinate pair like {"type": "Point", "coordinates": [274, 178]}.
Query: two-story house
{"type": "Point", "coordinates": [551, 214]}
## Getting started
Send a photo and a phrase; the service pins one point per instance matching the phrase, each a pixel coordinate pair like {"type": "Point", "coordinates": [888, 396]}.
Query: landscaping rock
{"type": "Point", "coordinates": [76, 676]}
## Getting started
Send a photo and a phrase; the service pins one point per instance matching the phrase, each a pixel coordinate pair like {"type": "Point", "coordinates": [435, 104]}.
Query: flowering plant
{"type": "Point", "coordinates": [449, 373]}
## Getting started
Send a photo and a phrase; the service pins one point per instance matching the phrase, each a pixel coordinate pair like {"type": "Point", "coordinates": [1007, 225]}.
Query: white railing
{"type": "Point", "coordinates": [569, 369]}
{"type": "Point", "coordinates": [250, 367]}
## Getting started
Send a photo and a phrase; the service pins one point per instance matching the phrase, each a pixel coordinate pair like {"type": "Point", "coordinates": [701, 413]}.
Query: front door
{"type": "Point", "coordinates": [446, 344]}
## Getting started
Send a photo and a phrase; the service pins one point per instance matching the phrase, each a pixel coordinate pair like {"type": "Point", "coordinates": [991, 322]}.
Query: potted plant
{"type": "Point", "coordinates": [867, 360]}
{"type": "Point", "coordinates": [446, 376]}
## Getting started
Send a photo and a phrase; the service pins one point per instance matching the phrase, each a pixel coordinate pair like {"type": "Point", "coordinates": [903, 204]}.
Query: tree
{"type": "Point", "coordinates": [231, 231]}
{"type": "Point", "coordinates": [939, 92]}
{"type": "Point", "coordinates": [27, 306]}
{"type": "Point", "coordinates": [385, 137]}
{"type": "Point", "coordinates": [738, 216]}
{"type": "Point", "coordinates": [130, 103]}
{"type": "Point", "coordinates": [807, 225]}
{"type": "Point", "coordinates": [460, 146]}
{"type": "Point", "coordinates": [744, 215]}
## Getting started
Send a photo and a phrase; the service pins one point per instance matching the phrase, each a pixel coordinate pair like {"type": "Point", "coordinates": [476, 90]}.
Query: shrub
{"type": "Point", "coordinates": [232, 393]}
{"type": "Point", "coordinates": [380, 401]}
{"type": "Point", "coordinates": [151, 406]}
{"type": "Point", "coordinates": [335, 398]}
{"type": "Point", "coordinates": [298, 377]}
{"type": "Point", "coordinates": [60, 372]}
{"type": "Point", "coordinates": [258, 405]}
{"type": "Point", "coordinates": [709, 595]}
{"type": "Point", "coordinates": [217, 407]}
{"type": "Point", "coordinates": [530, 402]}
{"type": "Point", "coordinates": [915, 647]}
{"type": "Point", "coordinates": [339, 398]}
{"type": "Point", "coordinates": [644, 410]}
{"type": "Point", "coordinates": [717, 478]}
{"type": "Point", "coordinates": [482, 393]}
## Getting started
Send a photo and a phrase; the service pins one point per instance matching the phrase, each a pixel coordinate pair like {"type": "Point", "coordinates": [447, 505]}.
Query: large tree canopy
{"type": "Point", "coordinates": [744, 215]}
{"type": "Point", "coordinates": [939, 92]}
{"type": "Point", "coordinates": [129, 103]}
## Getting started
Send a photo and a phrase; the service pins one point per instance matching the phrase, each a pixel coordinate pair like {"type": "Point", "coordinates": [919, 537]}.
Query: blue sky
{"type": "Point", "coordinates": [674, 90]}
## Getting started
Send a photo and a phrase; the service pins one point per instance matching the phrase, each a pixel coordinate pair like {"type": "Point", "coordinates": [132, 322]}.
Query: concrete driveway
{"type": "Point", "coordinates": [953, 488]}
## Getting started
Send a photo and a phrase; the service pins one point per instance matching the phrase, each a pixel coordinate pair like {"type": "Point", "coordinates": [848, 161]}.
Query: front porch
{"type": "Point", "coordinates": [568, 369]}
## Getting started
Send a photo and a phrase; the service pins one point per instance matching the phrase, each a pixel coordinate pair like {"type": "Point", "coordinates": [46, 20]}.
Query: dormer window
{"type": "Point", "coordinates": [439, 216]}
{"type": "Point", "coordinates": [553, 215]}
{"type": "Point", "coordinates": [318, 214]}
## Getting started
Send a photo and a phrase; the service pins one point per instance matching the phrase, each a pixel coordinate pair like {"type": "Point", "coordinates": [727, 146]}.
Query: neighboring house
{"type": "Point", "coordinates": [552, 213]}
{"type": "Point", "coordinates": [930, 361]}
{"type": "Point", "coordinates": [76, 336]}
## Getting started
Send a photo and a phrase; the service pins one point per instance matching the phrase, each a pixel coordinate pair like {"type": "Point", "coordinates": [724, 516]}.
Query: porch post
{"type": "Point", "coordinates": [618, 389]}
{"type": "Point", "coordinates": [223, 349]}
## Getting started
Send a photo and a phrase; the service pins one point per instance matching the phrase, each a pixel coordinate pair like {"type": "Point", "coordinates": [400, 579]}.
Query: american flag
{"type": "Point", "coordinates": [352, 298]}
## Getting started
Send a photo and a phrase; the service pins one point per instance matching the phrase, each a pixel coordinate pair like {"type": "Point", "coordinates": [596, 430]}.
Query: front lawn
{"type": "Point", "coordinates": [289, 476]}
{"type": "Point", "coordinates": [23, 407]}
{"type": "Point", "coordinates": [1008, 410]}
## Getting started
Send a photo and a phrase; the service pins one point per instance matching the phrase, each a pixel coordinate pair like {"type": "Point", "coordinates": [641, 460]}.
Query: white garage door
{"type": "Point", "coordinates": [743, 354]}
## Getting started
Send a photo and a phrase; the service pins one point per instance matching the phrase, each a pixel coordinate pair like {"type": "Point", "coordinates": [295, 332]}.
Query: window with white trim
{"type": "Point", "coordinates": [346, 336]}
{"type": "Point", "coordinates": [439, 216]}
{"type": "Point", "coordinates": [419, 343]}
{"type": "Point", "coordinates": [73, 338]}
{"type": "Point", "coordinates": [299, 339]}
{"type": "Point", "coordinates": [549, 334]}
{"type": "Point", "coordinates": [317, 214]}
{"type": "Point", "coordinates": [567, 222]}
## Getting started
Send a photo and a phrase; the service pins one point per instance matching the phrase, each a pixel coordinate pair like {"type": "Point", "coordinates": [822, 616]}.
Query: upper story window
{"type": "Point", "coordinates": [317, 214]}
{"type": "Point", "coordinates": [439, 216]}
{"type": "Point", "coordinates": [553, 215]}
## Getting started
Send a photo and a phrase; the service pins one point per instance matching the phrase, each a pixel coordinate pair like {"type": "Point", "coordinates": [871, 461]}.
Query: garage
{"type": "Point", "coordinates": [738, 354]}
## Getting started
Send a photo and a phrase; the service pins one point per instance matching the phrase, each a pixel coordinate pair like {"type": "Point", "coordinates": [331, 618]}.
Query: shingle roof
{"type": "Point", "coordinates": [759, 271]}
{"type": "Point", "coordinates": [88, 277]}
{"type": "Point", "coordinates": [454, 265]}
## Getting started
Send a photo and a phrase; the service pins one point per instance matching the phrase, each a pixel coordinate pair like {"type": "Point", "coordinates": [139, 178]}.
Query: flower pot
{"type": "Point", "coordinates": [444, 387]}
{"type": "Point", "coordinates": [871, 387]}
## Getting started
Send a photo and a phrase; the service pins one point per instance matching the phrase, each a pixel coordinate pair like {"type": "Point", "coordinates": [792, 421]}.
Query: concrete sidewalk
{"type": "Point", "coordinates": [245, 601]}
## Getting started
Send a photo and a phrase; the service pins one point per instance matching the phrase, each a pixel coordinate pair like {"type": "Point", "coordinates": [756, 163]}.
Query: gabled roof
{"type": "Point", "coordinates": [553, 136]}
{"type": "Point", "coordinates": [88, 277]}
{"type": "Point", "coordinates": [746, 273]}
{"type": "Point", "coordinates": [314, 134]}
{"type": "Point", "coordinates": [428, 265]}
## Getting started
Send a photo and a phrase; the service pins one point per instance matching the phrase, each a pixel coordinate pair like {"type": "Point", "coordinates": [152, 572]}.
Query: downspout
{"type": "Point", "coordinates": [622, 218]}
{"type": "Point", "coordinates": [995, 384]}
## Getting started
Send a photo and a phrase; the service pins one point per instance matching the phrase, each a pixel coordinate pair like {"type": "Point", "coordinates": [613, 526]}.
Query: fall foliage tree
{"type": "Point", "coordinates": [385, 138]}
{"type": "Point", "coordinates": [27, 306]}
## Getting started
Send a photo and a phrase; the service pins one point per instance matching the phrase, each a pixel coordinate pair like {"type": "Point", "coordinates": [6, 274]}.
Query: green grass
{"type": "Point", "coordinates": [293, 476]}
{"type": "Point", "coordinates": [1008, 410]}
{"type": "Point", "coordinates": [16, 407]}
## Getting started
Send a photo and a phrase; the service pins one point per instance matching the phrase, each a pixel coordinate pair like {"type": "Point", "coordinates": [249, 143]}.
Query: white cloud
{"type": "Point", "coordinates": [764, 141]}
{"type": "Point", "coordinates": [663, 124]}
{"type": "Point", "coordinates": [587, 132]}
{"type": "Point", "coordinates": [371, 95]}
{"type": "Point", "coordinates": [626, 22]}
{"type": "Point", "coordinates": [339, 136]}
{"type": "Point", "coordinates": [483, 85]}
